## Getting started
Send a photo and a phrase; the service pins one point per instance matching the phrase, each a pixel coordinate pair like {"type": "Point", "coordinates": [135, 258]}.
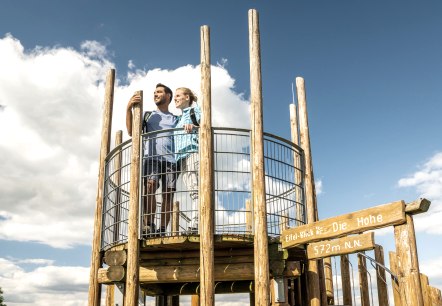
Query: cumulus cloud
{"type": "Point", "coordinates": [45, 285]}
{"type": "Point", "coordinates": [51, 103]}
{"type": "Point", "coordinates": [427, 181]}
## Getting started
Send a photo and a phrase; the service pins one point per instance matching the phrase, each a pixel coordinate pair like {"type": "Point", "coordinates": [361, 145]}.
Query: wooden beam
{"type": "Point", "coordinates": [94, 296]}
{"type": "Point", "coordinates": [381, 279]}
{"type": "Point", "coordinates": [417, 207]}
{"type": "Point", "coordinates": [262, 284]}
{"type": "Point", "coordinates": [182, 254]}
{"type": "Point", "coordinates": [190, 273]}
{"type": "Point", "coordinates": [206, 190]}
{"type": "Point", "coordinates": [356, 222]}
{"type": "Point", "coordinates": [195, 260]}
{"type": "Point", "coordinates": [340, 246]}
{"type": "Point", "coordinates": [132, 282]}
{"type": "Point", "coordinates": [115, 258]}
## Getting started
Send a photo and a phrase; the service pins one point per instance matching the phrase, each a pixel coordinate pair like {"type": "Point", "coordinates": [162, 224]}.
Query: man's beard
{"type": "Point", "coordinates": [160, 102]}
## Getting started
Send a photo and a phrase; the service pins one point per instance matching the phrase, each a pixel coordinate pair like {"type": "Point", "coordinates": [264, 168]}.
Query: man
{"type": "Point", "coordinates": [158, 160]}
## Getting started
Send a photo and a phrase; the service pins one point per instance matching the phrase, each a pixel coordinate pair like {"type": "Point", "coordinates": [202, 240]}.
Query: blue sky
{"type": "Point", "coordinates": [372, 70]}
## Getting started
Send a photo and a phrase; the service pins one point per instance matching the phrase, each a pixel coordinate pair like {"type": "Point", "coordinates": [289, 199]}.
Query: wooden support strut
{"type": "Point", "coordinates": [94, 287]}
{"type": "Point", "coordinates": [262, 281]}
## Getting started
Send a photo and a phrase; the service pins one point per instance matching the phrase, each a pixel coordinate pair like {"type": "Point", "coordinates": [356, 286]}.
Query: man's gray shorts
{"type": "Point", "coordinates": [164, 170]}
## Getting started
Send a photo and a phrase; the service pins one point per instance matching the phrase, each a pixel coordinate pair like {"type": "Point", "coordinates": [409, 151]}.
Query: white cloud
{"type": "Point", "coordinates": [46, 285]}
{"type": "Point", "coordinates": [428, 183]}
{"type": "Point", "coordinates": [50, 117]}
{"type": "Point", "coordinates": [318, 187]}
{"type": "Point", "coordinates": [433, 269]}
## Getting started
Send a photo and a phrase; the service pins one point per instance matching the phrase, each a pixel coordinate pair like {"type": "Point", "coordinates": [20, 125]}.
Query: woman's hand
{"type": "Point", "coordinates": [188, 128]}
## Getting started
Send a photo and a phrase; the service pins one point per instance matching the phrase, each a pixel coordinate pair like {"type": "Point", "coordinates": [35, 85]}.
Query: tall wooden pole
{"type": "Point", "coordinates": [380, 276]}
{"type": "Point", "coordinates": [313, 289]}
{"type": "Point", "coordinates": [294, 129]}
{"type": "Point", "coordinates": [261, 252]}
{"type": "Point", "coordinates": [206, 196]}
{"type": "Point", "coordinates": [94, 286]}
{"type": "Point", "coordinates": [133, 251]}
{"type": "Point", "coordinates": [408, 263]}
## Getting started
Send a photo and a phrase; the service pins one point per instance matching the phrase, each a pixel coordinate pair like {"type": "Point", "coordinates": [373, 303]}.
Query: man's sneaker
{"type": "Point", "coordinates": [192, 231]}
{"type": "Point", "coordinates": [149, 230]}
{"type": "Point", "coordinates": [161, 231]}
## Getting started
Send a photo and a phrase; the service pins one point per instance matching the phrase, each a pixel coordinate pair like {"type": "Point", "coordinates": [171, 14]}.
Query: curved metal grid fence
{"type": "Point", "coordinates": [233, 211]}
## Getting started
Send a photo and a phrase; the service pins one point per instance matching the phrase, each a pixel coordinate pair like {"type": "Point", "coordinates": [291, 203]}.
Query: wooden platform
{"type": "Point", "coordinates": [171, 265]}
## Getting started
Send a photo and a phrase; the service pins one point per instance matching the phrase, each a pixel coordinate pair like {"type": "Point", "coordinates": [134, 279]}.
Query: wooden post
{"type": "Point", "coordinates": [313, 289]}
{"type": "Point", "coordinates": [395, 284]}
{"type": "Point", "coordinates": [94, 286]}
{"type": "Point", "coordinates": [436, 298]}
{"type": "Point", "coordinates": [425, 290]}
{"type": "Point", "coordinates": [261, 252]}
{"type": "Point", "coordinates": [298, 288]}
{"type": "Point", "coordinates": [346, 280]}
{"type": "Point", "coordinates": [195, 300]}
{"type": "Point", "coordinates": [117, 182]}
{"type": "Point", "coordinates": [176, 219]}
{"type": "Point", "coordinates": [110, 295]}
{"type": "Point", "coordinates": [294, 128]}
{"type": "Point", "coordinates": [380, 276]}
{"type": "Point", "coordinates": [408, 263]}
{"type": "Point", "coordinates": [133, 252]}
{"type": "Point", "coordinates": [206, 196]}
{"type": "Point", "coordinates": [363, 280]}
{"type": "Point", "coordinates": [328, 273]}
{"type": "Point", "coordinates": [249, 217]}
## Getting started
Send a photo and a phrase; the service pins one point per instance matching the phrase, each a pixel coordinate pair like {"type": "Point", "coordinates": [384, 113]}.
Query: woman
{"type": "Point", "coordinates": [186, 147]}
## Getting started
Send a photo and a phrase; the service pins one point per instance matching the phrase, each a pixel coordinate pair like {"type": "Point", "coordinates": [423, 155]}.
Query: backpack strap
{"type": "Point", "coordinates": [146, 117]}
{"type": "Point", "coordinates": [193, 117]}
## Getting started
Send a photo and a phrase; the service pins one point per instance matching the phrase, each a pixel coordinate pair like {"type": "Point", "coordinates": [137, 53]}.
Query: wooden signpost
{"type": "Point", "coordinates": [340, 246]}
{"type": "Point", "coordinates": [356, 222]}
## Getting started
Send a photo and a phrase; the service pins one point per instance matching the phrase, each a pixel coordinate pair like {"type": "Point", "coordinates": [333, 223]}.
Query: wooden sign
{"type": "Point", "coordinates": [340, 246]}
{"type": "Point", "coordinates": [356, 222]}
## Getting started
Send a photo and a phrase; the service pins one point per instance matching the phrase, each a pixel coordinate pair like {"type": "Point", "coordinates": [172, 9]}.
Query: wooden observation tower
{"type": "Point", "coordinates": [259, 231]}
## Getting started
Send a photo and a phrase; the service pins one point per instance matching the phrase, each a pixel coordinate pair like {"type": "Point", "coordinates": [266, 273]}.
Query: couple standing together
{"type": "Point", "coordinates": [166, 153]}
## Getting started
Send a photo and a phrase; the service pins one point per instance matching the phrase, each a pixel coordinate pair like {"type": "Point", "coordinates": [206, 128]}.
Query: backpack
{"type": "Point", "coordinates": [193, 117]}
{"type": "Point", "coordinates": [146, 117]}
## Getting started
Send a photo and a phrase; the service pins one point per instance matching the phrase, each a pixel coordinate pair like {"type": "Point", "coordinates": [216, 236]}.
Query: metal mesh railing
{"type": "Point", "coordinates": [116, 195]}
{"type": "Point", "coordinates": [232, 191]}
